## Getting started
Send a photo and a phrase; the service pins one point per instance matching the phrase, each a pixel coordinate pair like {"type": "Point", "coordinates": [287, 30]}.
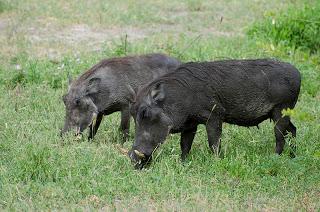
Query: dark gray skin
{"type": "Point", "coordinates": [110, 86]}
{"type": "Point", "coordinates": [241, 92]}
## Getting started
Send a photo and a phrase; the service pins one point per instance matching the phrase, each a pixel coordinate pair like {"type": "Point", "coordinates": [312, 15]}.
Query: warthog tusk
{"type": "Point", "coordinates": [94, 119]}
{"type": "Point", "coordinates": [141, 155]}
{"type": "Point", "coordinates": [78, 131]}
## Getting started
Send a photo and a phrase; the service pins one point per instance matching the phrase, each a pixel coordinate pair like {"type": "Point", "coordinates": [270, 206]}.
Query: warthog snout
{"type": "Point", "coordinates": [138, 158]}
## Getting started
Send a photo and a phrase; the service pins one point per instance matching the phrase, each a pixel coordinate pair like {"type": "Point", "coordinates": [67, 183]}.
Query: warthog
{"type": "Point", "coordinates": [241, 92]}
{"type": "Point", "coordinates": [107, 87]}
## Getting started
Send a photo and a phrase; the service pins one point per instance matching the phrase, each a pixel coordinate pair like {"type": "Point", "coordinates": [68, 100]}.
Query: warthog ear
{"type": "Point", "coordinates": [93, 86]}
{"type": "Point", "coordinates": [131, 98]}
{"type": "Point", "coordinates": [157, 93]}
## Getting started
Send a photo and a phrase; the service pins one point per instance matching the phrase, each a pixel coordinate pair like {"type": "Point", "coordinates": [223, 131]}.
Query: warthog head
{"type": "Point", "coordinates": [81, 111]}
{"type": "Point", "coordinates": [152, 124]}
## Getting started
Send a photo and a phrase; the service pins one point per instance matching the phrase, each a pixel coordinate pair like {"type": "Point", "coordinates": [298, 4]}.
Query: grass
{"type": "Point", "coordinates": [39, 171]}
{"type": "Point", "coordinates": [297, 27]}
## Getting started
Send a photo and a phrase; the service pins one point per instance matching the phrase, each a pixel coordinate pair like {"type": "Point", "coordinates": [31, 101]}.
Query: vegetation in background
{"type": "Point", "coordinates": [4, 5]}
{"type": "Point", "coordinates": [296, 27]}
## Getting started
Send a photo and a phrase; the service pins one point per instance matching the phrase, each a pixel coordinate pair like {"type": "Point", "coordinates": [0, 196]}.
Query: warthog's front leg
{"type": "Point", "coordinates": [125, 123]}
{"type": "Point", "coordinates": [186, 142]}
{"type": "Point", "coordinates": [214, 129]}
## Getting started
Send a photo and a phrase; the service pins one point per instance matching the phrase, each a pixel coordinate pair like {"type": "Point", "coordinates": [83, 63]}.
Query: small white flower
{"type": "Point", "coordinates": [18, 67]}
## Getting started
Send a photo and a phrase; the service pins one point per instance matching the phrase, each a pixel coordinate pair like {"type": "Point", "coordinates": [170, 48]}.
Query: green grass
{"type": "Point", "coordinates": [297, 27]}
{"type": "Point", "coordinates": [39, 171]}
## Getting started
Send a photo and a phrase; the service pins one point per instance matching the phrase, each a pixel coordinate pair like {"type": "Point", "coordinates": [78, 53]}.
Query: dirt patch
{"type": "Point", "coordinates": [82, 33]}
{"type": "Point", "coordinates": [82, 36]}
{"type": "Point", "coordinates": [46, 37]}
{"type": "Point", "coordinates": [214, 31]}
{"type": "Point", "coordinates": [3, 24]}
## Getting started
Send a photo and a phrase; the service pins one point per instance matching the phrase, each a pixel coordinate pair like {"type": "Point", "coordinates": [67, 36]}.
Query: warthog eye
{"type": "Point", "coordinates": [144, 112]}
{"type": "Point", "coordinates": [77, 101]}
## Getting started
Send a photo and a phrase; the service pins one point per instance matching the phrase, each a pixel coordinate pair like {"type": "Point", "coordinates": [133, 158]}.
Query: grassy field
{"type": "Point", "coordinates": [40, 41]}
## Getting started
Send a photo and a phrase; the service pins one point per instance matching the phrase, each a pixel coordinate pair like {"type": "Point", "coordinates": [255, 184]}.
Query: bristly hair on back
{"type": "Point", "coordinates": [125, 61]}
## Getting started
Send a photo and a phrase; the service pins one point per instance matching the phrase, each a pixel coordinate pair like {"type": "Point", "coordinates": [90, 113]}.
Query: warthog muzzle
{"type": "Point", "coordinates": [139, 159]}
